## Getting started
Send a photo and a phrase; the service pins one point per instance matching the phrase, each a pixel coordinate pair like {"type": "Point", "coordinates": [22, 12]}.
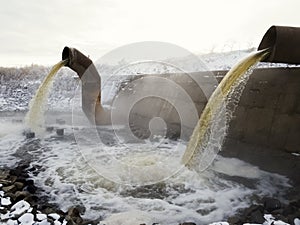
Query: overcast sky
{"type": "Point", "coordinates": [35, 31]}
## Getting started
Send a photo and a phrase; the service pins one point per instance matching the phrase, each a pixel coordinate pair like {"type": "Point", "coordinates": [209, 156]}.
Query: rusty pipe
{"type": "Point", "coordinates": [91, 83]}
{"type": "Point", "coordinates": [76, 60]}
{"type": "Point", "coordinates": [283, 44]}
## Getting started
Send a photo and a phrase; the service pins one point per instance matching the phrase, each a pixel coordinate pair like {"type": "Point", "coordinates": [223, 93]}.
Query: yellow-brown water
{"type": "Point", "coordinates": [35, 116]}
{"type": "Point", "coordinates": [228, 85]}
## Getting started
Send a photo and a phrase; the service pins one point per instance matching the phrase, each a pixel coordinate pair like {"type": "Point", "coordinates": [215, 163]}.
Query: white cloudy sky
{"type": "Point", "coordinates": [35, 31]}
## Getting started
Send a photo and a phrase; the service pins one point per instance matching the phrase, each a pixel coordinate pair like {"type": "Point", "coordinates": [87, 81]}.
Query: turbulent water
{"type": "Point", "coordinates": [64, 173]}
{"type": "Point", "coordinates": [200, 197]}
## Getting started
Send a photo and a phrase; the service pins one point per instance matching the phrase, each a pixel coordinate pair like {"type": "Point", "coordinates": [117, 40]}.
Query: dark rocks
{"type": "Point", "coordinates": [20, 195]}
{"type": "Point", "coordinates": [253, 214]}
{"type": "Point", "coordinates": [19, 190]}
{"type": "Point", "coordinates": [234, 220]}
{"type": "Point", "coordinates": [257, 213]}
{"type": "Point", "coordinates": [32, 199]}
{"type": "Point", "coordinates": [31, 189]}
{"type": "Point", "coordinates": [277, 212]}
{"type": "Point", "coordinates": [73, 212]}
{"type": "Point", "coordinates": [187, 223]}
{"type": "Point", "coordinates": [14, 183]}
{"type": "Point", "coordinates": [47, 208]}
{"type": "Point", "coordinates": [60, 131]}
{"type": "Point", "coordinates": [295, 204]}
{"type": "Point", "coordinates": [9, 180]}
{"type": "Point", "coordinates": [206, 211]}
{"type": "Point", "coordinates": [257, 216]}
{"type": "Point", "coordinates": [253, 208]}
{"type": "Point", "coordinates": [29, 135]}
{"type": "Point", "coordinates": [29, 182]}
{"type": "Point", "coordinates": [18, 173]}
{"type": "Point", "coordinates": [271, 204]}
{"type": "Point", "coordinates": [73, 216]}
{"type": "Point", "coordinates": [290, 209]}
{"type": "Point", "coordinates": [49, 129]}
{"type": "Point", "coordinates": [11, 188]}
{"type": "Point", "coordinates": [19, 185]}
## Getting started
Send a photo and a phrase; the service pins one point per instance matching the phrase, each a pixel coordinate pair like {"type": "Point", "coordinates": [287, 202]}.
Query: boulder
{"type": "Point", "coordinates": [271, 204]}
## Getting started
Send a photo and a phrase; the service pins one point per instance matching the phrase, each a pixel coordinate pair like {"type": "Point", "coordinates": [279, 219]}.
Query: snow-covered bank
{"type": "Point", "coordinates": [18, 85]}
{"type": "Point", "coordinates": [227, 187]}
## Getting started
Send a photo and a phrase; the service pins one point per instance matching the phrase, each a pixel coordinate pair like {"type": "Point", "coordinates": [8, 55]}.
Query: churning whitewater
{"type": "Point", "coordinates": [203, 197]}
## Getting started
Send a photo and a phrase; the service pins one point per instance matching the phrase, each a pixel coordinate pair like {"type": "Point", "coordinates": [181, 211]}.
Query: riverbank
{"type": "Point", "coordinates": [22, 202]}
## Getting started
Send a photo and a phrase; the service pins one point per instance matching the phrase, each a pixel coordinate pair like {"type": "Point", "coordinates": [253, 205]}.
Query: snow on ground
{"type": "Point", "coordinates": [18, 85]}
{"type": "Point", "coordinates": [21, 213]}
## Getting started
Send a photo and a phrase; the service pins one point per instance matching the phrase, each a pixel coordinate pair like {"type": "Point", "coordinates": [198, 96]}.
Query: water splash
{"type": "Point", "coordinates": [210, 131]}
{"type": "Point", "coordinates": [35, 117]}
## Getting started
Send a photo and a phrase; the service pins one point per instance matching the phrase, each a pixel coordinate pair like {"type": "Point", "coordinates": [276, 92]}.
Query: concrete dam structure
{"type": "Point", "coordinates": [265, 127]}
{"type": "Point", "coordinates": [268, 113]}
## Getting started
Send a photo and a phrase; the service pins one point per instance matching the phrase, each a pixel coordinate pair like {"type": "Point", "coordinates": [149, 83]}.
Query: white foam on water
{"type": "Point", "coordinates": [135, 164]}
{"type": "Point", "coordinates": [9, 129]}
{"type": "Point", "coordinates": [128, 218]}
{"type": "Point", "coordinates": [229, 166]}
{"type": "Point", "coordinates": [188, 196]}
{"type": "Point", "coordinates": [10, 139]}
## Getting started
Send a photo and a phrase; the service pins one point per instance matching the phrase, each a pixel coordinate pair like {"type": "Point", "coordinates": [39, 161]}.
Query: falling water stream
{"type": "Point", "coordinates": [224, 99]}
{"type": "Point", "coordinates": [202, 197]}
{"type": "Point", "coordinates": [224, 94]}
{"type": "Point", "coordinates": [35, 116]}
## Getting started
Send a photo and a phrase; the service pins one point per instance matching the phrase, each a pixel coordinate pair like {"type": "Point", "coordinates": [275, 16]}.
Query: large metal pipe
{"type": "Point", "coordinates": [91, 84]}
{"type": "Point", "coordinates": [283, 44]}
{"type": "Point", "coordinates": [76, 60]}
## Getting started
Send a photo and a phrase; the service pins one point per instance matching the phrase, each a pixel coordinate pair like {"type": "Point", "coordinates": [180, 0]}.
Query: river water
{"type": "Point", "coordinates": [65, 175]}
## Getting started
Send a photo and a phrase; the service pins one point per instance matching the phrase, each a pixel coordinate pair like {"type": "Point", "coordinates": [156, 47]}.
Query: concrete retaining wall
{"type": "Point", "coordinates": [268, 114]}
{"type": "Point", "coordinates": [265, 128]}
{"type": "Point", "coordinates": [269, 110]}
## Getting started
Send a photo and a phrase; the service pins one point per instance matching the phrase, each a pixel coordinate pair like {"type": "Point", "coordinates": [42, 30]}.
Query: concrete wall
{"type": "Point", "coordinates": [269, 110]}
{"type": "Point", "coordinates": [268, 114]}
{"type": "Point", "coordinates": [176, 98]}
{"type": "Point", "coordinates": [264, 130]}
